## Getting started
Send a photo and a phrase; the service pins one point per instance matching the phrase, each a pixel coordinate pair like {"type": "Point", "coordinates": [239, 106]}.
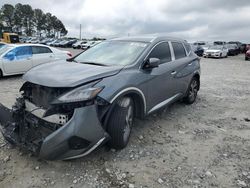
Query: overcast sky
{"type": "Point", "coordinates": [191, 20]}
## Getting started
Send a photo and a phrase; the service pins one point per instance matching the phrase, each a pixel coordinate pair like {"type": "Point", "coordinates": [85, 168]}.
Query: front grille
{"type": "Point", "coordinates": [42, 96]}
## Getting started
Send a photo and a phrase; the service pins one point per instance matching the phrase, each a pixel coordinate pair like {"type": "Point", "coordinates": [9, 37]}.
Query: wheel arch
{"type": "Point", "coordinates": [137, 96]}
{"type": "Point", "coordinates": [197, 76]}
{"type": "Point", "coordinates": [138, 102]}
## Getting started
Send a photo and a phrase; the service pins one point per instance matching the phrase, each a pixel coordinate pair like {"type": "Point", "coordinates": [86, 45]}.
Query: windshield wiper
{"type": "Point", "coordinates": [93, 63]}
{"type": "Point", "coordinates": [71, 60]}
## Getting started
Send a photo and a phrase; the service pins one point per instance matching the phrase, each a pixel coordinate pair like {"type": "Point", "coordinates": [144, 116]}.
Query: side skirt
{"type": "Point", "coordinates": [165, 103]}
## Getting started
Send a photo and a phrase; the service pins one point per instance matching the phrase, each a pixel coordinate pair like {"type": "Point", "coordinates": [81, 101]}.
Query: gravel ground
{"type": "Point", "coordinates": [206, 144]}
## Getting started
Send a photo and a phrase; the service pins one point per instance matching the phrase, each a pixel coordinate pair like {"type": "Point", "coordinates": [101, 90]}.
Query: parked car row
{"type": "Point", "coordinates": [218, 49]}
{"type": "Point", "coordinates": [63, 42]}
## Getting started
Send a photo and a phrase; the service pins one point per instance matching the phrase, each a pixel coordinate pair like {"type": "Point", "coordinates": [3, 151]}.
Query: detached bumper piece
{"type": "Point", "coordinates": [78, 137]}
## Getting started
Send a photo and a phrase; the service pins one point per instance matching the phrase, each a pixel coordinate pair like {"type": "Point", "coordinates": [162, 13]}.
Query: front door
{"type": "Point", "coordinates": [160, 86]}
{"type": "Point", "coordinates": [18, 60]}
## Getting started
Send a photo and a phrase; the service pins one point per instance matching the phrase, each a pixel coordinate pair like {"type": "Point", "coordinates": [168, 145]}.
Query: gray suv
{"type": "Point", "coordinates": [69, 108]}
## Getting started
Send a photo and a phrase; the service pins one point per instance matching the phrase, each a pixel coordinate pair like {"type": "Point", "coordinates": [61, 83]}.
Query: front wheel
{"type": "Point", "coordinates": [192, 91]}
{"type": "Point", "coordinates": [1, 73]}
{"type": "Point", "coordinates": [120, 123]}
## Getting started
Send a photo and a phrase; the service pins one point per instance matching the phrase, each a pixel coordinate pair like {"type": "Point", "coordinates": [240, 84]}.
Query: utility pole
{"type": "Point", "coordinates": [80, 31]}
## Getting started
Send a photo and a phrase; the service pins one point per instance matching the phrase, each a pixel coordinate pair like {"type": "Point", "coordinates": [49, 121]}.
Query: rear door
{"type": "Point", "coordinates": [18, 60]}
{"type": "Point", "coordinates": [184, 66]}
{"type": "Point", "coordinates": [42, 54]}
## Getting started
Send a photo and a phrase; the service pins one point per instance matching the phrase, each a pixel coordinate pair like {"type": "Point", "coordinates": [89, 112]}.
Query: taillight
{"type": "Point", "coordinates": [69, 54]}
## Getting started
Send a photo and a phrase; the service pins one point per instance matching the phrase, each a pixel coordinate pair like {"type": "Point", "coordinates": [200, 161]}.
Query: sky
{"type": "Point", "coordinates": [191, 20]}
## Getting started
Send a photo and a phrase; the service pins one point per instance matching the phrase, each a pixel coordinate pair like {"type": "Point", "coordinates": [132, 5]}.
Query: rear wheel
{"type": "Point", "coordinates": [192, 91]}
{"type": "Point", "coordinates": [120, 123]}
{"type": "Point", "coordinates": [246, 58]}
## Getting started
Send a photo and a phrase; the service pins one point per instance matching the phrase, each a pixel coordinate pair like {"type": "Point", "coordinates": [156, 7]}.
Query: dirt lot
{"type": "Point", "coordinates": [206, 144]}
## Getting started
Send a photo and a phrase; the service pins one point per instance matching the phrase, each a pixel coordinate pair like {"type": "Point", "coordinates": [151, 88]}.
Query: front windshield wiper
{"type": "Point", "coordinates": [71, 60]}
{"type": "Point", "coordinates": [93, 63]}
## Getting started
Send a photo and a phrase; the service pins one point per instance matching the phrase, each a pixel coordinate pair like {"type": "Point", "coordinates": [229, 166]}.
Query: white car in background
{"type": "Point", "coordinates": [217, 51]}
{"type": "Point", "coordinates": [18, 59]}
{"type": "Point", "coordinates": [78, 44]}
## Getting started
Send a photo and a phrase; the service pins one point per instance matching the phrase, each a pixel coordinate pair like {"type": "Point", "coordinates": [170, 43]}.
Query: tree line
{"type": "Point", "coordinates": [22, 19]}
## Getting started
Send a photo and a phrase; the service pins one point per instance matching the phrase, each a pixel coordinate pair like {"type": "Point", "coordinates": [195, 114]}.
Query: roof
{"type": "Point", "coordinates": [30, 44]}
{"type": "Point", "coordinates": [148, 38]}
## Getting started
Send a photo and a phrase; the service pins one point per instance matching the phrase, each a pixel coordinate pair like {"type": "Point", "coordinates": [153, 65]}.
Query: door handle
{"type": "Point", "coordinates": [173, 72]}
{"type": "Point", "coordinates": [28, 58]}
{"type": "Point", "coordinates": [189, 64]}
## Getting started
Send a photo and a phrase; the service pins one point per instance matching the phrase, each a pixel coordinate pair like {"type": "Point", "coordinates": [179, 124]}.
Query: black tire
{"type": "Point", "coordinates": [192, 91]}
{"type": "Point", "coordinates": [1, 73]}
{"type": "Point", "coordinates": [120, 123]}
{"type": "Point", "coordinates": [246, 58]}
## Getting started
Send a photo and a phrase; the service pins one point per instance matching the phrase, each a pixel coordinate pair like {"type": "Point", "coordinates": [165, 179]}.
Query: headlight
{"type": "Point", "coordinates": [79, 94]}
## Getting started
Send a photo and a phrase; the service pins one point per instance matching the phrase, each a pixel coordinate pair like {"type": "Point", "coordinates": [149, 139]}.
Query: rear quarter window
{"type": "Point", "coordinates": [179, 50]}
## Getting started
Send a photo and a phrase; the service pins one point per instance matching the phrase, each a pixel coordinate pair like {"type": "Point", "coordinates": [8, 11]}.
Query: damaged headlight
{"type": "Point", "coordinates": [83, 93]}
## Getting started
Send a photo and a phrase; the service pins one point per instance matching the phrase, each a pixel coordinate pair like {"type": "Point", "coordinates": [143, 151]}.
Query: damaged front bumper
{"type": "Point", "coordinates": [79, 136]}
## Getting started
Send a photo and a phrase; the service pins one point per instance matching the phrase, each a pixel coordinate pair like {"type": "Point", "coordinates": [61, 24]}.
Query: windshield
{"type": "Point", "coordinates": [112, 53]}
{"type": "Point", "coordinates": [215, 47]}
{"type": "Point", "coordinates": [5, 49]}
{"type": "Point", "coordinates": [230, 46]}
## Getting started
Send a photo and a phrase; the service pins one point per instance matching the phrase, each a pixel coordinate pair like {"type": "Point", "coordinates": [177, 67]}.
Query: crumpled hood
{"type": "Point", "coordinates": [213, 51]}
{"type": "Point", "coordinates": [68, 74]}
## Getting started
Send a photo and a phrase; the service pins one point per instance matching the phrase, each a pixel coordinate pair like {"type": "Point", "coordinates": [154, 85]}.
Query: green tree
{"type": "Point", "coordinates": [49, 24]}
{"type": "Point", "coordinates": [1, 19]}
{"type": "Point", "coordinates": [60, 28]}
{"type": "Point", "coordinates": [28, 14]}
{"type": "Point", "coordinates": [18, 18]}
{"type": "Point", "coordinates": [23, 18]}
{"type": "Point", "coordinates": [39, 21]}
{"type": "Point", "coordinates": [8, 14]}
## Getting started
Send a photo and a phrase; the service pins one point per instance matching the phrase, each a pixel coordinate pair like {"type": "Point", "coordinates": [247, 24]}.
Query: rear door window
{"type": "Point", "coordinates": [40, 50]}
{"type": "Point", "coordinates": [162, 52]}
{"type": "Point", "coordinates": [179, 50]}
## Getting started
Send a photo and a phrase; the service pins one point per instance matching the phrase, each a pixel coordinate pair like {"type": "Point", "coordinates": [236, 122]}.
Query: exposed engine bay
{"type": "Point", "coordinates": [34, 118]}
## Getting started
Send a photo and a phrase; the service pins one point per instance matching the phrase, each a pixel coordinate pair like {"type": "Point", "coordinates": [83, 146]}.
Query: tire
{"type": "Point", "coordinates": [120, 123]}
{"type": "Point", "coordinates": [1, 73]}
{"type": "Point", "coordinates": [192, 91]}
{"type": "Point", "coordinates": [246, 58]}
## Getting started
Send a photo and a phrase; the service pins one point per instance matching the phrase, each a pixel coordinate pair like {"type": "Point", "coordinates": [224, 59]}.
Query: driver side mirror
{"type": "Point", "coordinates": [152, 63]}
